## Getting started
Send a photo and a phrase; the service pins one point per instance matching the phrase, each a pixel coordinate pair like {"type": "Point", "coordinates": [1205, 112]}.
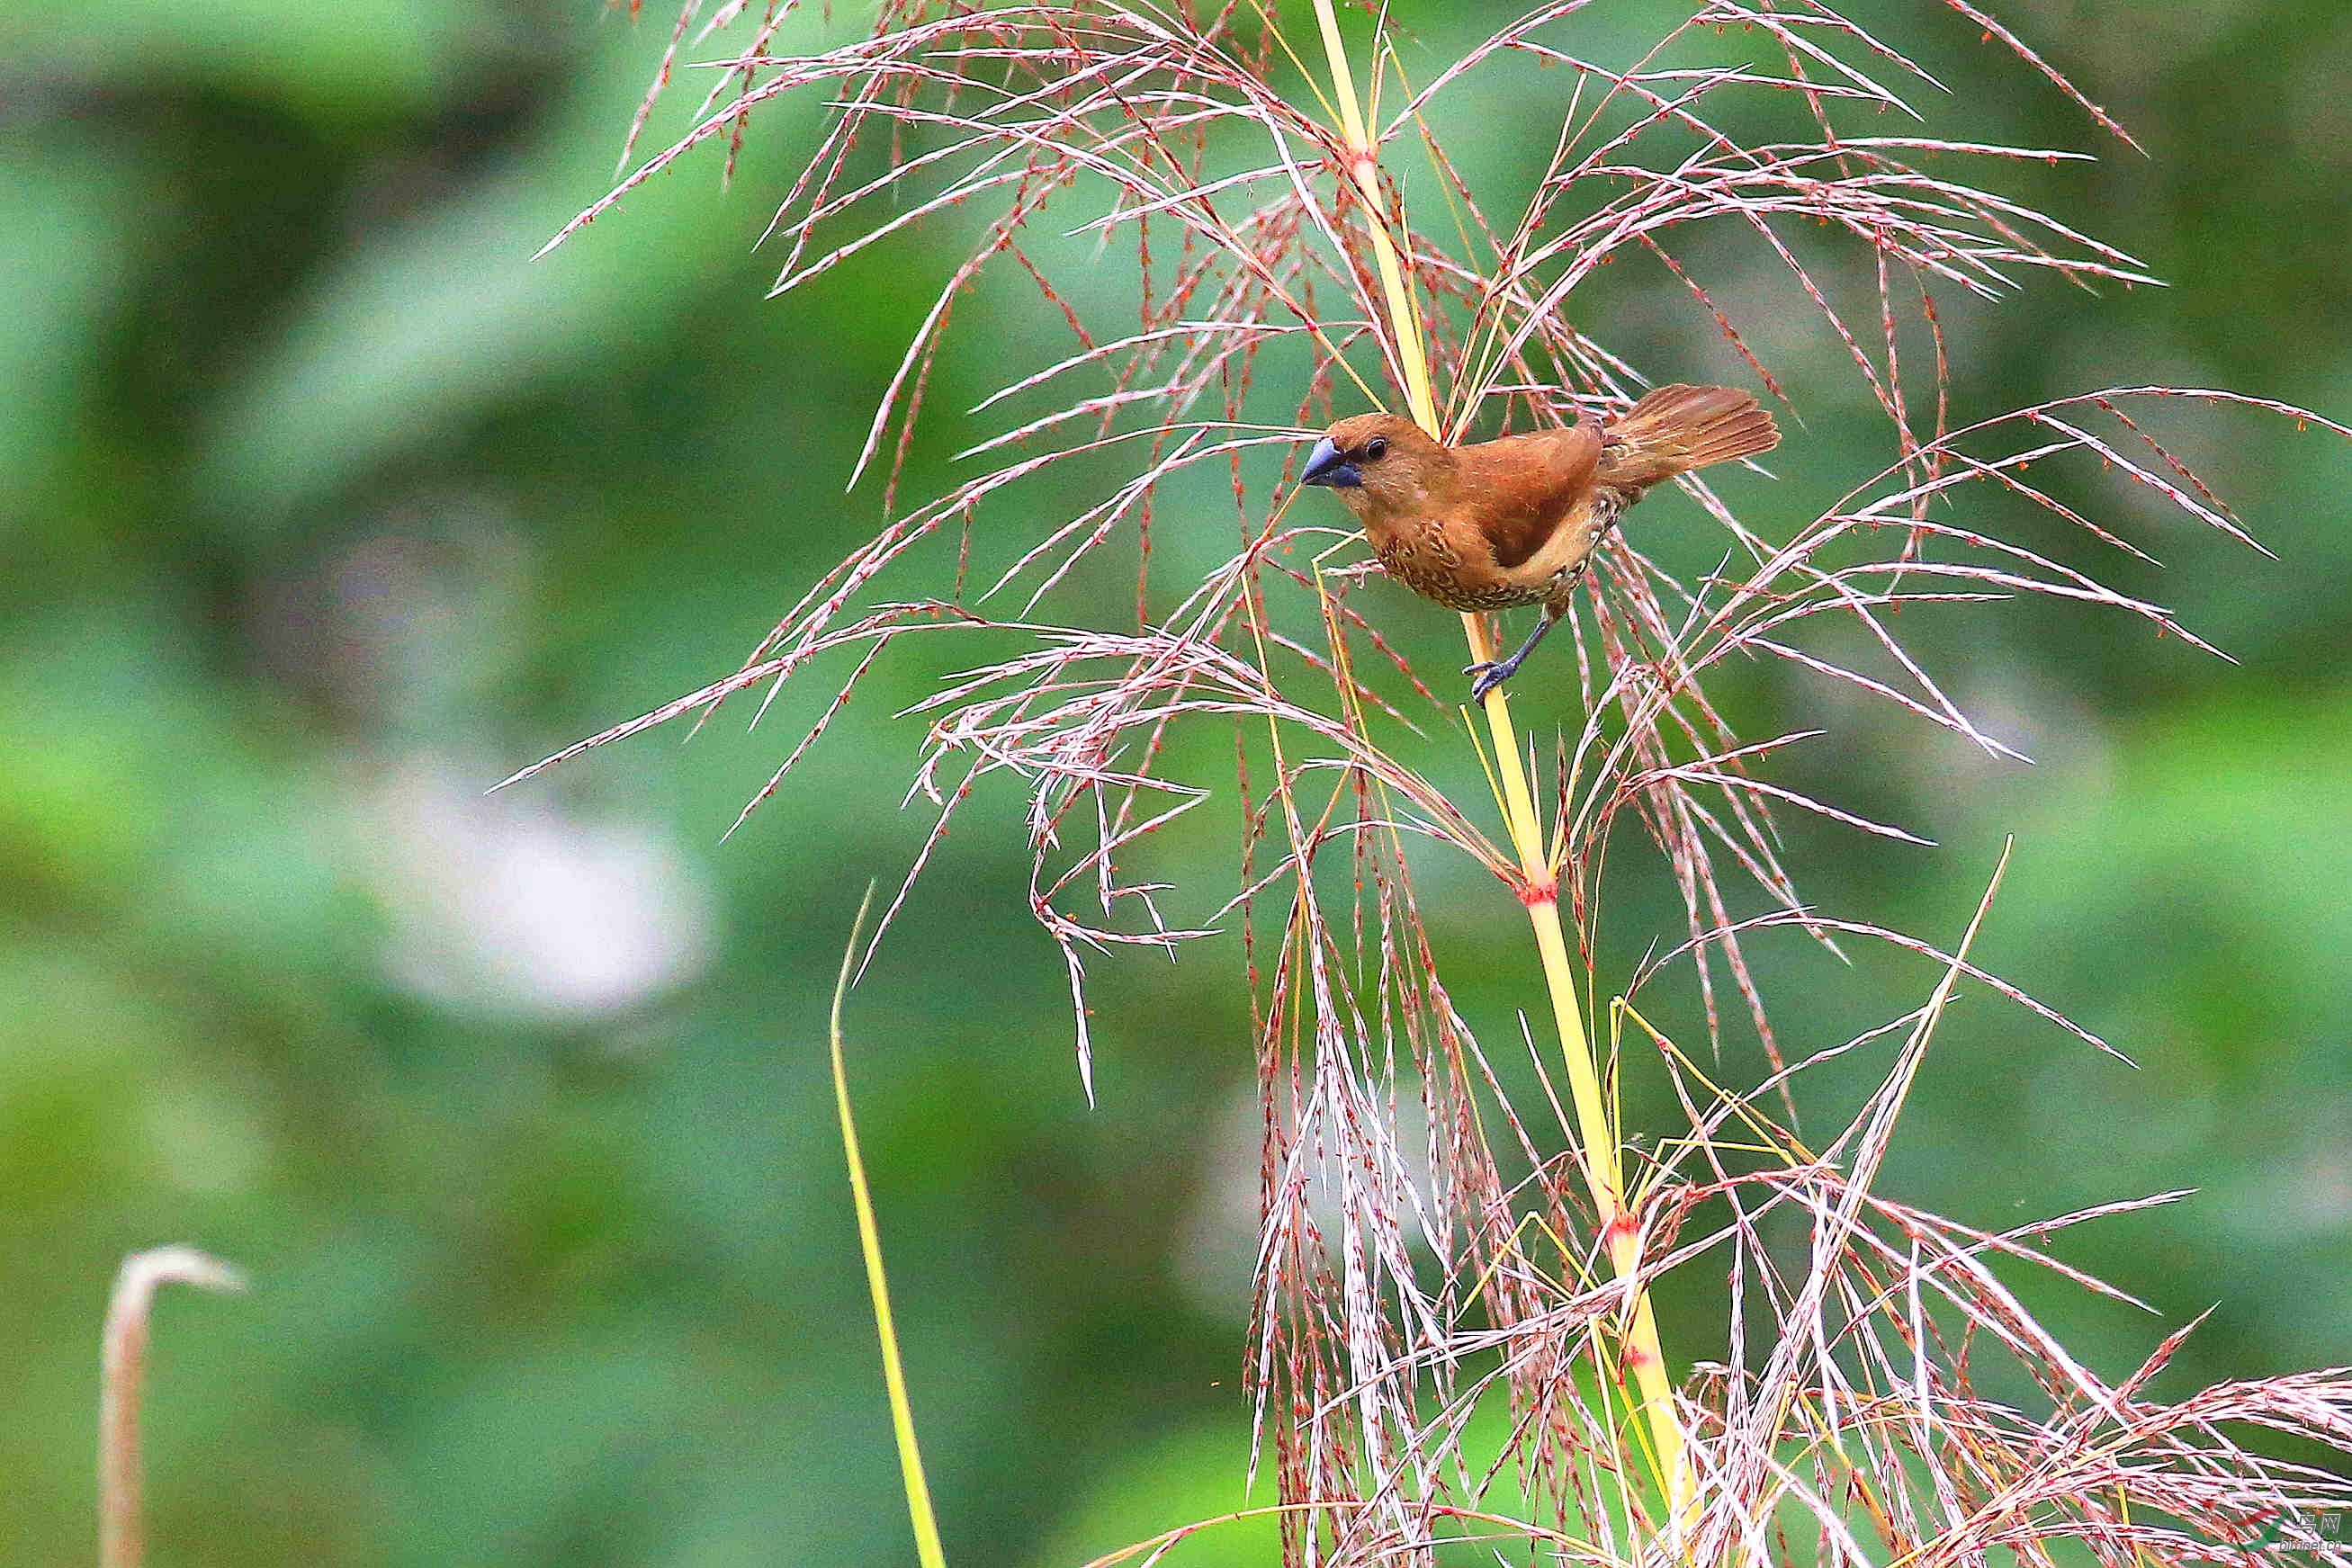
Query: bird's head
{"type": "Point", "coordinates": [1380, 465]}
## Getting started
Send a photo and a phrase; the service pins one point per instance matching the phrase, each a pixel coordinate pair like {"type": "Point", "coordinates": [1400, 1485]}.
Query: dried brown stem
{"type": "Point", "coordinates": [121, 1538]}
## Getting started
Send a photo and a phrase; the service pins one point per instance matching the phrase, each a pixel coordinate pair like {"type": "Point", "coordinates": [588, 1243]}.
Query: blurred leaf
{"type": "Point", "coordinates": [68, 215]}
{"type": "Point", "coordinates": [422, 330]}
{"type": "Point", "coordinates": [332, 62]}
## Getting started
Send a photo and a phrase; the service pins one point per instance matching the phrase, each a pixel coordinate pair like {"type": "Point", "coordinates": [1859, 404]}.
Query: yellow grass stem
{"type": "Point", "coordinates": [1603, 1166]}
{"type": "Point", "coordinates": [869, 1240]}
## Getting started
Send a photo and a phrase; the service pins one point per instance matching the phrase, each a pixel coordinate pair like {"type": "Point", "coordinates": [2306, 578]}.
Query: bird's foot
{"type": "Point", "coordinates": [1493, 673]}
{"type": "Point", "coordinates": [1490, 673]}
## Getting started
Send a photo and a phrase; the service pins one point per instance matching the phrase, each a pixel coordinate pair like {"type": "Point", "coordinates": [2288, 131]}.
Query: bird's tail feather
{"type": "Point", "coordinates": [1678, 428]}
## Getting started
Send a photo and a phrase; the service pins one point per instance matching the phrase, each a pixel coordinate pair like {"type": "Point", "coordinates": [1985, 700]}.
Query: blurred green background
{"type": "Point", "coordinates": [323, 508]}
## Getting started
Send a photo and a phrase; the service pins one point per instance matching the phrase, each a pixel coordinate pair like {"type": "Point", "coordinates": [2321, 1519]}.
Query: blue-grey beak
{"type": "Point", "coordinates": [1327, 465]}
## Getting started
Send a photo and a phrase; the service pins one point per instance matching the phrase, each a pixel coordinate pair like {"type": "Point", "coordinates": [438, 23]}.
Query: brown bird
{"type": "Point", "coordinates": [1513, 521]}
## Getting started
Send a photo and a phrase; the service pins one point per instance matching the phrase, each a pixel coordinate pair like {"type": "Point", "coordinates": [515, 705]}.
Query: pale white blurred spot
{"type": "Point", "coordinates": [2319, 1191]}
{"type": "Point", "coordinates": [2302, 1189]}
{"type": "Point", "coordinates": [2146, 1122]}
{"type": "Point", "coordinates": [506, 905]}
{"type": "Point", "coordinates": [1214, 1256]}
{"type": "Point", "coordinates": [1215, 1251]}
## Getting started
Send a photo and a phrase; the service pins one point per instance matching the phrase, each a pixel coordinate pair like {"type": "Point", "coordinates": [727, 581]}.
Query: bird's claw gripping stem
{"type": "Point", "coordinates": [1491, 673]}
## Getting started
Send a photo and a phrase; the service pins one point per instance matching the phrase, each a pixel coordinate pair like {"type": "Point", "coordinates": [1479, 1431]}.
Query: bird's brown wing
{"type": "Point", "coordinates": [1516, 491]}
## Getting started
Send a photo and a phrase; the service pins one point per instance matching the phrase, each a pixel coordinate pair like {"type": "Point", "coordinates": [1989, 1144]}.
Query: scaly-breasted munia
{"type": "Point", "coordinates": [1513, 521]}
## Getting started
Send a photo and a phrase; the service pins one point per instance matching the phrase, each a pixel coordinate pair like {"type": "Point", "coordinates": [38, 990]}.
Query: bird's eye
{"type": "Point", "coordinates": [1376, 448]}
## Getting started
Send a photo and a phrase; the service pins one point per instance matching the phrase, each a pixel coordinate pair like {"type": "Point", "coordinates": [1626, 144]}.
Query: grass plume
{"type": "Point", "coordinates": [1206, 207]}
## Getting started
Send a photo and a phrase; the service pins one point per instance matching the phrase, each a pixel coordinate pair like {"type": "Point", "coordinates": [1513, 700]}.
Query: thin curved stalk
{"type": "Point", "coordinates": [121, 1525]}
{"type": "Point", "coordinates": [919, 1513]}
